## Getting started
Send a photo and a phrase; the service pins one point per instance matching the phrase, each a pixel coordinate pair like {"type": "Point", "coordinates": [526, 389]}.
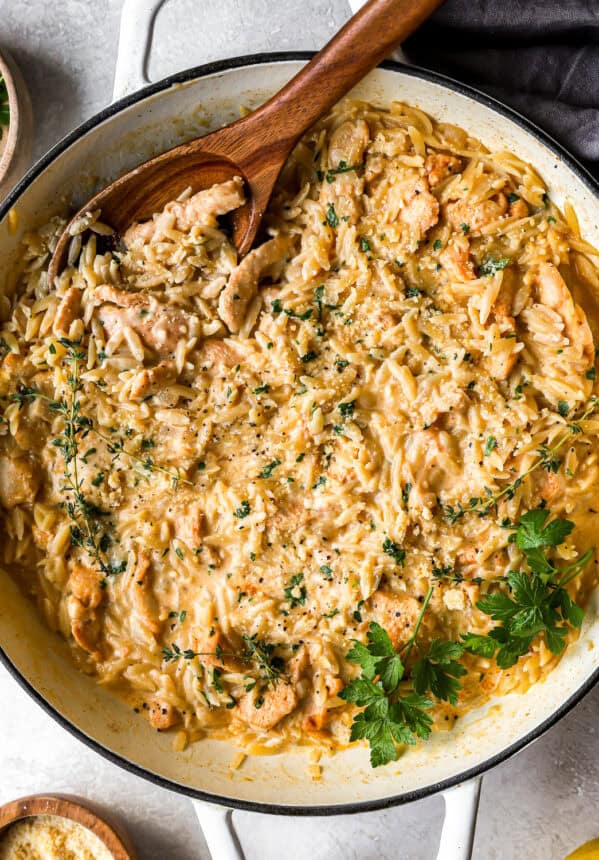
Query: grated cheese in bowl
{"type": "Point", "coordinates": [51, 837]}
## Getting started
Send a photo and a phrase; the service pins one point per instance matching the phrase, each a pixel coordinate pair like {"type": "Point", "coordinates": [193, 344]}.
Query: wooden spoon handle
{"type": "Point", "coordinates": [366, 39]}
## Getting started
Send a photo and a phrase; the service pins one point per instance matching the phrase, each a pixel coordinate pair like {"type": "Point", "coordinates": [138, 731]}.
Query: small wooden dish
{"type": "Point", "coordinates": [16, 153]}
{"type": "Point", "coordinates": [65, 806]}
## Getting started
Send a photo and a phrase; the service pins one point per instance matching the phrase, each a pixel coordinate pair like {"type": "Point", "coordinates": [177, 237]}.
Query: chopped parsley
{"type": "Point", "coordinates": [268, 470]}
{"type": "Point", "coordinates": [332, 217]}
{"type": "Point", "coordinates": [296, 592]}
{"type": "Point", "coordinates": [347, 409]}
{"type": "Point", "coordinates": [491, 265]}
{"type": "Point", "coordinates": [491, 445]}
{"type": "Point", "coordinates": [393, 549]}
{"type": "Point", "coordinates": [242, 511]}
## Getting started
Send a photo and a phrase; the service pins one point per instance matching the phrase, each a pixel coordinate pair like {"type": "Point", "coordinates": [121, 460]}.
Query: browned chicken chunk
{"type": "Point", "coordinates": [19, 481]}
{"type": "Point", "coordinates": [277, 702]}
{"type": "Point", "coordinates": [234, 300]}
{"type": "Point", "coordinates": [160, 326]}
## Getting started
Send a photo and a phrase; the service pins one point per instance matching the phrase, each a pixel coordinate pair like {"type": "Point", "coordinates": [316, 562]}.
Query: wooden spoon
{"type": "Point", "coordinates": [257, 146]}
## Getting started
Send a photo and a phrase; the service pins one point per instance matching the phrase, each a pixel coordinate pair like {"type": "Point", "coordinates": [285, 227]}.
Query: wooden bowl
{"type": "Point", "coordinates": [16, 155]}
{"type": "Point", "coordinates": [65, 806]}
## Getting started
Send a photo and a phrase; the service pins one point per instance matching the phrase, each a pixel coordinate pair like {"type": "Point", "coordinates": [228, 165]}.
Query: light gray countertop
{"type": "Point", "coordinates": [541, 804]}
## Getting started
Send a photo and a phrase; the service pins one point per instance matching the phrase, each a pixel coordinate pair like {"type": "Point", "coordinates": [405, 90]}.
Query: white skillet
{"type": "Point", "coordinates": [143, 123]}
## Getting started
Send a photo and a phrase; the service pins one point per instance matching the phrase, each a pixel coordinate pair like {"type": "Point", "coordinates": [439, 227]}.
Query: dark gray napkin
{"type": "Point", "coordinates": [539, 56]}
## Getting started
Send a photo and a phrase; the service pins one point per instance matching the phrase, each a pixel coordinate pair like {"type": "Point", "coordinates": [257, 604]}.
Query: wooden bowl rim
{"type": "Point", "coordinates": [16, 154]}
{"type": "Point", "coordinates": [69, 807]}
{"type": "Point", "coordinates": [12, 131]}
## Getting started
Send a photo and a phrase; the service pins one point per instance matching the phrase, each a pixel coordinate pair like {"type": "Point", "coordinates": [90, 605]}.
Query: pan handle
{"type": "Point", "coordinates": [461, 808]}
{"type": "Point", "coordinates": [217, 826]}
{"type": "Point", "coordinates": [135, 41]}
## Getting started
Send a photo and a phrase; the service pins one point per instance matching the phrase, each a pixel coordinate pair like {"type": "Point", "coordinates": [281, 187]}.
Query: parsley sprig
{"type": "Point", "coordinates": [396, 701]}
{"type": "Point", "coordinates": [395, 712]}
{"type": "Point", "coordinates": [87, 525]}
{"type": "Point", "coordinates": [537, 602]}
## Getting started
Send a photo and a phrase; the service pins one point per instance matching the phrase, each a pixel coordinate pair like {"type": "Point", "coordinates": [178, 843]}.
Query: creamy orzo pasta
{"type": "Point", "coordinates": [215, 474]}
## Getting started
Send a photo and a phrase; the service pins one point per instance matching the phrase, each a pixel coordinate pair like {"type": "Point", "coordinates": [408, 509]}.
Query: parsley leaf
{"type": "Point", "coordinates": [242, 511]}
{"type": "Point", "coordinates": [439, 670]}
{"type": "Point", "coordinates": [394, 550]}
{"type": "Point", "coordinates": [388, 718]}
{"type": "Point", "coordinates": [491, 265]}
{"type": "Point", "coordinates": [532, 531]}
{"type": "Point", "coordinates": [296, 591]}
{"type": "Point", "coordinates": [332, 217]}
{"type": "Point", "coordinates": [268, 470]}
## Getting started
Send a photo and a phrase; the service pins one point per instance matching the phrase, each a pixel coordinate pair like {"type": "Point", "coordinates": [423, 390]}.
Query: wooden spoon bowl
{"type": "Point", "coordinates": [257, 146]}
{"type": "Point", "coordinates": [65, 806]}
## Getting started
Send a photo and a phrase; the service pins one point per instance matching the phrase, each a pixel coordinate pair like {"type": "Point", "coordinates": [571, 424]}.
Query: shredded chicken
{"type": "Point", "coordinates": [68, 311]}
{"type": "Point", "coordinates": [85, 598]}
{"type": "Point", "coordinates": [19, 481]}
{"type": "Point", "coordinates": [243, 284]}
{"type": "Point", "coordinates": [202, 208]}
{"type": "Point", "coordinates": [142, 596]}
{"type": "Point", "coordinates": [265, 710]}
{"type": "Point", "coordinates": [440, 167]}
{"type": "Point", "coordinates": [421, 208]}
{"type": "Point", "coordinates": [160, 326]}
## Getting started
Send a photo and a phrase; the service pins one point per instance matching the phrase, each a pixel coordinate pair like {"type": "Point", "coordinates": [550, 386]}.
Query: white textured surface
{"type": "Point", "coordinates": [540, 805]}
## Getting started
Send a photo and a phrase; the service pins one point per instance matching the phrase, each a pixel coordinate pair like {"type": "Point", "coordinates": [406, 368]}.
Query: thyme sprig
{"type": "Point", "coordinates": [257, 652]}
{"type": "Point", "coordinates": [547, 459]}
{"type": "Point", "coordinates": [87, 530]}
{"type": "Point", "coordinates": [116, 447]}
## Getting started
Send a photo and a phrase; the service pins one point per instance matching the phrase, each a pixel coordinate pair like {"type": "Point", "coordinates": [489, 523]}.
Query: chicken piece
{"type": "Point", "coordinates": [19, 481]}
{"type": "Point", "coordinates": [475, 215]}
{"type": "Point", "coordinates": [68, 311]}
{"type": "Point", "coordinates": [277, 702]}
{"type": "Point", "coordinates": [151, 379]}
{"type": "Point", "coordinates": [142, 596]}
{"type": "Point", "coordinates": [518, 209]}
{"type": "Point", "coordinates": [420, 209]}
{"type": "Point", "coordinates": [434, 460]}
{"type": "Point", "coordinates": [234, 300]}
{"type": "Point", "coordinates": [162, 715]}
{"type": "Point", "coordinates": [202, 208]}
{"type": "Point", "coordinates": [439, 167]}
{"type": "Point", "coordinates": [553, 292]}
{"type": "Point", "coordinates": [347, 147]}
{"type": "Point", "coordinates": [160, 326]}
{"type": "Point", "coordinates": [31, 432]}
{"type": "Point", "coordinates": [348, 143]}
{"type": "Point", "coordinates": [85, 596]}
{"type": "Point", "coordinates": [218, 355]}
{"type": "Point", "coordinates": [456, 260]}
{"type": "Point", "coordinates": [189, 527]}
{"type": "Point", "coordinates": [396, 612]}
{"type": "Point", "coordinates": [500, 362]}
{"type": "Point", "coordinates": [549, 487]}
